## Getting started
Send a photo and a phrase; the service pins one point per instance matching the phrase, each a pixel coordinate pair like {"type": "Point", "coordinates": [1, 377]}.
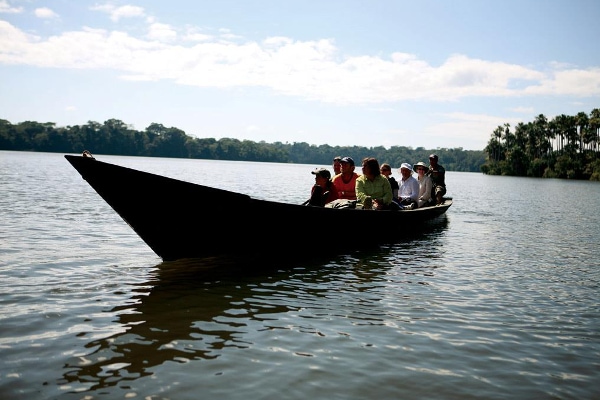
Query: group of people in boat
{"type": "Point", "coordinates": [375, 188]}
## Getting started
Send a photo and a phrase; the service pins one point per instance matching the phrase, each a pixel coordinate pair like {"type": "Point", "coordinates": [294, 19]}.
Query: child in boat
{"type": "Point", "coordinates": [323, 191]}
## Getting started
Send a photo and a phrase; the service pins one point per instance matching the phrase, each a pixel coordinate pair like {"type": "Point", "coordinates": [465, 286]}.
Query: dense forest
{"type": "Point", "coordinates": [564, 147]}
{"type": "Point", "coordinates": [117, 138]}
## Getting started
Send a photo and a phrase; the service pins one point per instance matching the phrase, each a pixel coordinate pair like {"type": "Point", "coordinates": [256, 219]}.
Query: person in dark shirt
{"type": "Point", "coordinates": [323, 191]}
{"type": "Point", "coordinates": [438, 177]}
{"type": "Point", "coordinates": [386, 170]}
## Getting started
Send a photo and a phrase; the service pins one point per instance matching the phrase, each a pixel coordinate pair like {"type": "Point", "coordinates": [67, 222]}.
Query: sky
{"type": "Point", "coordinates": [421, 73]}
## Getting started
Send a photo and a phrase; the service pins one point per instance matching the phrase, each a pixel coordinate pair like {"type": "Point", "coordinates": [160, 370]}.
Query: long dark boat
{"type": "Point", "coordinates": [179, 219]}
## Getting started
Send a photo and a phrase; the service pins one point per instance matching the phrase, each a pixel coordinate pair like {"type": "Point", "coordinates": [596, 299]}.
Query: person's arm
{"type": "Point", "coordinates": [427, 186]}
{"type": "Point", "coordinates": [387, 191]}
{"type": "Point", "coordinates": [316, 196]}
{"type": "Point", "coordinates": [333, 193]}
{"type": "Point", "coordinates": [414, 186]}
{"type": "Point", "coordinates": [442, 177]}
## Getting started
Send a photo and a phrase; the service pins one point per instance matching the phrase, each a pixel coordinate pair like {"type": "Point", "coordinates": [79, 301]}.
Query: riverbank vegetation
{"type": "Point", "coordinates": [117, 138]}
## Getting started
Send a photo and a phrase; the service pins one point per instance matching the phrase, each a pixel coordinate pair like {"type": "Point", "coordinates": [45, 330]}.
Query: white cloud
{"type": "Point", "coordinates": [313, 70]}
{"type": "Point", "coordinates": [117, 13]}
{"type": "Point", "coordinates": [45, 13]}
{"type": "Point", "coordinates": [194, 35]}
{"type": "Point", "coordinates": [7, 9]}
{"type": "Point", "coordinates": [126, 12]}
{"type": "Point", "coordinates": [575, 82]}
{"type": "Point", "coordinates": [161, 32]}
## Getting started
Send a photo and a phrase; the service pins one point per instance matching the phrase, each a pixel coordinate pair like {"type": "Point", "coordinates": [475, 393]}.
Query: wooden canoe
{"type": "Point", "coordinates": [179, 219]}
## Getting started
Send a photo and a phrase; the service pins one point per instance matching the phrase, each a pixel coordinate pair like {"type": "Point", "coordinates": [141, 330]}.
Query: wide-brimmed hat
{"type": "Point", "coordinates": [420, 164]}
{"type": "Point", "coordinates": [324, 172]}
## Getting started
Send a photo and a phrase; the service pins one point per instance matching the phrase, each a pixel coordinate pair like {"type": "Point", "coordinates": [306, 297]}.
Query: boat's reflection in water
{"type": "Point", "coordinates": [194, 309]}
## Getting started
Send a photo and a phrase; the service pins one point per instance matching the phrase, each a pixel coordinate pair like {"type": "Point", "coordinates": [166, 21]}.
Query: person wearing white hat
{"type": "Point", "coordinates": [425, 184]}
{"type": "Point", "coordinates": [409, 188]}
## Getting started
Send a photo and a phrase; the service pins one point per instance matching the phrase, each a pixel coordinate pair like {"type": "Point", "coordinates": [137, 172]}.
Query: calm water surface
{"type": "Point", "coordinates": [498, 299]}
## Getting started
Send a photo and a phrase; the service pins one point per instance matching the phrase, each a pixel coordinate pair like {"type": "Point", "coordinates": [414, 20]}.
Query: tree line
{"type": "Point", "coordinates": [115, 137]}
{"type": "Point", "coordinates": [563, 147]}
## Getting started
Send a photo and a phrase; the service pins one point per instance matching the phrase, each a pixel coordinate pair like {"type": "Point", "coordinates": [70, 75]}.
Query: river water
{"type": "Point", "coordinates": [497, 299]}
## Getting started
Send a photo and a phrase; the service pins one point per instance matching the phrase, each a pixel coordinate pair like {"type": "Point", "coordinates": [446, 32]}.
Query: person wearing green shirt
{"type": "Point", "coordinates": [373, 190]}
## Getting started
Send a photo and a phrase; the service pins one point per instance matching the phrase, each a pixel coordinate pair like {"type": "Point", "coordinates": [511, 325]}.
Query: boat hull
{"type": "Point", "coordinates": [179, 219]}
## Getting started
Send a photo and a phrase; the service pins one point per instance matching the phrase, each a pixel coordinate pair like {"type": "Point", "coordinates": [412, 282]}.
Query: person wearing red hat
{"type": "Point", "coordinates": [438, 176]}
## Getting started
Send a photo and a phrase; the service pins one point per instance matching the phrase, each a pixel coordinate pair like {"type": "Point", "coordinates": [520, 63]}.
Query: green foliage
{"type": "Point", "coordinates": [116, 137]}
{"type": "Point", "coordinates": [565, 147]}
{"type": "Point", "coordinates": [594, 170]}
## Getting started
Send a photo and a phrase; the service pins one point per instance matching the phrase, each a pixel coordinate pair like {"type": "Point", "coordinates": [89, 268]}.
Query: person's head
{"type": "Point", "coordinates": [337, 165]}
{"type": "Point", "coordinates": [420, 168]}
{"type": "Point", "coordinates": [386, 169]}
{"type": "Point", "coordinates": [322, 176]}
{"type": "Point", "coordinates": [347, 164]}
{"type": "Point", "coordinates": [433, 159]}
{"type": "Point", "coordinates": [370, 167]}
{"type": "Point", "coordinates": [405, 170]}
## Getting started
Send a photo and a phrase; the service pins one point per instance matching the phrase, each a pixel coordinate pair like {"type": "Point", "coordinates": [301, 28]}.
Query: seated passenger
{"type": "Point", "coordinates": [373, 190]}
{"type": "Point", "coordinates": [337, 165]}
{"type": "Point", "coordinates": [323, 191]}
{"type": "Point", "coordinates": [345, 182]}
{"type": "Point", "coordinates": [425, 185]}
{"type": "Point", "coordinates": [409, 188]}
{"type": "Point", "coordinates": [386, 170]}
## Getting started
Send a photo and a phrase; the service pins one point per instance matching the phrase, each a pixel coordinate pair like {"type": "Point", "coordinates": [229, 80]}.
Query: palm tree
{"type": "Point", "coordinates": [541, 133]}
{"type": "Point", "coordinates": [582, 122]}
{"type": "Point", "coordinates": [593, 133]}
{"type": "Point", "coordinates": [494, 147]}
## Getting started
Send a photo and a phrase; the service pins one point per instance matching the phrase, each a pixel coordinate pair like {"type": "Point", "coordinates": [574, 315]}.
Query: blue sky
{"type": "Point", "coordinates": [427, 73]}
